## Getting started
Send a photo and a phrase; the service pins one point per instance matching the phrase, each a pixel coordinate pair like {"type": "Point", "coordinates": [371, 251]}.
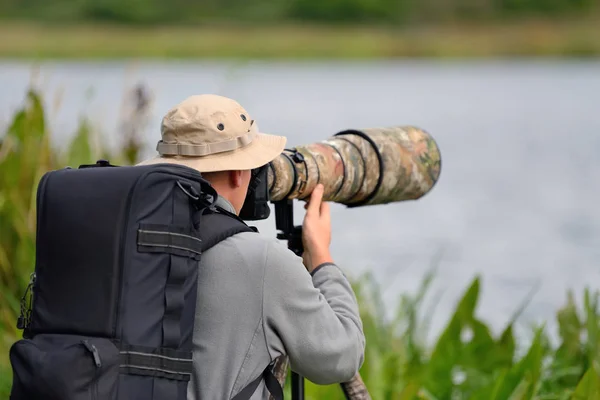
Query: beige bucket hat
{"type": "Point", "coordinates": [214, 133]}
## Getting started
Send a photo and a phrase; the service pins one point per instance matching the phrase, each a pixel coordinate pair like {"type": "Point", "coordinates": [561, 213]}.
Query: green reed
{"type": "Point", "coordinates": [399, 364]}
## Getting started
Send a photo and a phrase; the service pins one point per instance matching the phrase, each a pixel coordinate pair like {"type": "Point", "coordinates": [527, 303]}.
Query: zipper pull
{"type": "Point", "coordinates": [92, 349]}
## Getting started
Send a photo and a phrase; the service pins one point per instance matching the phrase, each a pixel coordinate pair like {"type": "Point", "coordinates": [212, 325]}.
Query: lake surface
{"type": "Point", "coordinates": [518, 198]}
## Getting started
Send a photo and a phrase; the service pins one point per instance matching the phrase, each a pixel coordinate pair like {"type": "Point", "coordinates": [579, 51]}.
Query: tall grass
{"type": "Point", "coordinates": [467, 361]}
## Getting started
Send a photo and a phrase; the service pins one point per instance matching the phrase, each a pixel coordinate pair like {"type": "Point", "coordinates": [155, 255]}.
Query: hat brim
{"type": "Point", "coordinates": [263, 149]}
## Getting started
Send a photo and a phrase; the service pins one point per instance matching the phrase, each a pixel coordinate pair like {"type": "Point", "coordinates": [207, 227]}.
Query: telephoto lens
{"type": "Point", "coordinates": [359, 167]}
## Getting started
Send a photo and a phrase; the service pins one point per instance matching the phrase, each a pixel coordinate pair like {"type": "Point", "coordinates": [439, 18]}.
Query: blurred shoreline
{"type": "Point", "coordinates": [577, 38]}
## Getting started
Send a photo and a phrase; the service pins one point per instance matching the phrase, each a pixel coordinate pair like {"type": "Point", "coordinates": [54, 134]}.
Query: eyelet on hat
{"type": "Point", "coordinates": [243, 117]}
{"type": "Point", "coordinates": [220, 127]}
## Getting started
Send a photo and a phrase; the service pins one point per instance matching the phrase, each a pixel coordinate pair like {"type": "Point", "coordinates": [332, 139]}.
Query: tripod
{"type": "Point", "coordinates": [284, 222]}
{"type": "Point", "coordinates": [354, 389]}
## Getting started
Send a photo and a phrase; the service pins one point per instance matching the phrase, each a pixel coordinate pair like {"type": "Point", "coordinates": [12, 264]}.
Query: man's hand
{"type": "Point", "coordinates": [316, 230]}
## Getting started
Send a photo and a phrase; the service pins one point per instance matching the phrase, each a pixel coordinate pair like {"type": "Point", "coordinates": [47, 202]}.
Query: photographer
{"type": "Point", "coordinates": [256, 301]}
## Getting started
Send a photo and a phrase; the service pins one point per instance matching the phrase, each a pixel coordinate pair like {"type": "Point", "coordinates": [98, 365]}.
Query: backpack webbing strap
{"type": "Point", "coordinates": [174, 295]}
{"type": "Point", "coordinates": [162, 362]}
{"type": "Point", "coordinates": [156, 238]}
{"type": "Point", "coordinates": [271, 383]}
{"type": "Point", "coordinates": [176, 276]}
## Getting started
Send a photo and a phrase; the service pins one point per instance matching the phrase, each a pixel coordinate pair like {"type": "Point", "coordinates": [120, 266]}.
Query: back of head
{"type": "Point", "coordinates": [216, 136]}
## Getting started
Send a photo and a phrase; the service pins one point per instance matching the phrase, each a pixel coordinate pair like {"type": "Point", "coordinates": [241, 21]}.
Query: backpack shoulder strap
{"type": "Point", "coordinates": [217, 225]}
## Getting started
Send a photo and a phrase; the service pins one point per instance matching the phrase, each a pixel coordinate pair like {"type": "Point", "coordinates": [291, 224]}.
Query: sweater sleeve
{"type": "Point", "coordinates": [313, 319]}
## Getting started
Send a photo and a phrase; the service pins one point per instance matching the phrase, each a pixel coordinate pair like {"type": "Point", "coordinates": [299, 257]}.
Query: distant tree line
{"type": "Point", "coordinates": [328, 11]}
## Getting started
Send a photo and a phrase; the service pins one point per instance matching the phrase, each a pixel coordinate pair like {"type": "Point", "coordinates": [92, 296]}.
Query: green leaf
{"type": "Point", "coordinates": [589, 386]}
{"type": "Point", "coordinates": [450, 349]}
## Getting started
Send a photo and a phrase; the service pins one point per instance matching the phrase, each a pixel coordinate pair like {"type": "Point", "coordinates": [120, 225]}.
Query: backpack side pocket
{"type": "Point", "coordinates": [64, 367]}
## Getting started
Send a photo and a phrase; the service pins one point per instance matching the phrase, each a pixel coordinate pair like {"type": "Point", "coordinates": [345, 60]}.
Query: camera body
{"type": "Point", "coordinates": [256, 204]}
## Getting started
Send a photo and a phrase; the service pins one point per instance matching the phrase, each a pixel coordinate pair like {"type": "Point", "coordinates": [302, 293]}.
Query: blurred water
{"type": "Point", "coordinates": [518, 198]}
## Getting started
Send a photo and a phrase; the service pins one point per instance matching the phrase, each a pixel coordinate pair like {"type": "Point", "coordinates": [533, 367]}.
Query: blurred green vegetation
{"type": "Point", "coordinates": [330, 11]}
{"type": "Point", "coordinates": [466, 362]}
{"type": "Point", "coordinates": [530, 38]}
{"type": "Point", "coordinates": [298, 28]}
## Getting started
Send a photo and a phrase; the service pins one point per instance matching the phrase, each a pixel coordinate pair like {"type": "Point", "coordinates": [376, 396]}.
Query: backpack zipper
{"type": "Point", "coordinates": [98, 362]}
{"type": "Point", "coordinates": [122, 237]}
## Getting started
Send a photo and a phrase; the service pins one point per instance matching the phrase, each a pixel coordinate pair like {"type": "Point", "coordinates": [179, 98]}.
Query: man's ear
{"type": "Point", "coordinates": [235, 179]}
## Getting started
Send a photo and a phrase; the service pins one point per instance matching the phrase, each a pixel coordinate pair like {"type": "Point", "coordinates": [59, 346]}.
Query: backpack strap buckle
{"type": "Point", "coordinates": [204, 198]}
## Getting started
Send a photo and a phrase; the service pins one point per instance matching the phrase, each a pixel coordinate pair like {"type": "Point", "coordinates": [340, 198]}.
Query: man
{"type": "Point", "coordinates": [256, 300]}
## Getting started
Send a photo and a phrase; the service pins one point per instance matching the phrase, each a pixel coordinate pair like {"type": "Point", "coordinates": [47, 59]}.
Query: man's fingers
{"type": "Point", "coordinates": [325, 215]}
{"type": "Point", "coordinates": [325, 210]}
{"type": "Point", "coordinates": [315, 200]}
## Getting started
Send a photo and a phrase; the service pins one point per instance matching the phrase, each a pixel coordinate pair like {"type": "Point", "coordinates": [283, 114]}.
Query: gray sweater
{"type": "Point", "coordinates": [256, 302]}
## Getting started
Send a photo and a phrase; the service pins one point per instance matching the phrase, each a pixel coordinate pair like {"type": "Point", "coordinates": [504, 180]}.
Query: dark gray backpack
{"type": "Point", "coordinates": [113, 294]}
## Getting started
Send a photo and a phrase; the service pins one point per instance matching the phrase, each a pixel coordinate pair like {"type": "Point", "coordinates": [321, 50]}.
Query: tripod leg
{"type": "Point", "coordinates": [280, 369]}
{"type": "Point", "coordinates": [355, 389]}
{"type": "Point", "coordinates": [297, 387]}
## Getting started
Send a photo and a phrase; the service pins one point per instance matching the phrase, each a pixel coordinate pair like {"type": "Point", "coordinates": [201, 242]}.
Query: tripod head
{"type": "Point", "coordinates": [284, 223]}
